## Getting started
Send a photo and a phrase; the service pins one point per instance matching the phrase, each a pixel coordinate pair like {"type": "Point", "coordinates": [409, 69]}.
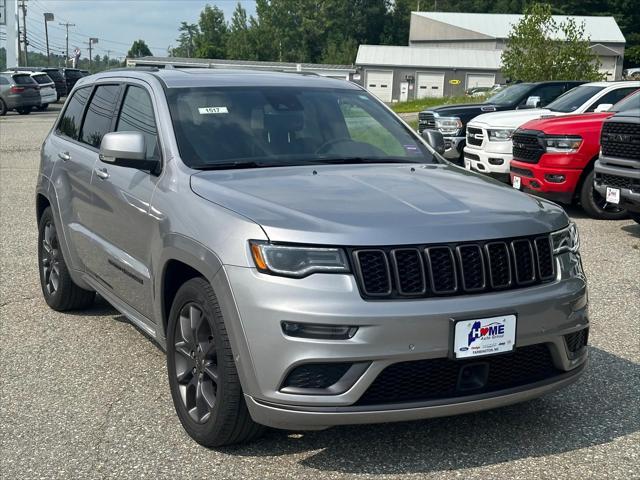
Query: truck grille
{"type": "Point", "coordinates": [453, 269]}
{"type": "Point", "coordinates": [426, 121]}
{"type": "Point", "coordinates": [523, 172]}
{"type": "Point", "coordinates": [424, 380]}
{"type": "Point", "coordinates": [471, 136]}
{"type": "Point", "coordinates": [527, 147]}
{"type": "Point", "coordinates": [621, 140]}
{"type": "Point", "coordinates": [616, 181]}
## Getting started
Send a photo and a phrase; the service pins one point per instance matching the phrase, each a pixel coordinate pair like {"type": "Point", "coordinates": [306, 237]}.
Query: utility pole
{"type": "Point", "coordinates": [108, 59]}
{"type": "Point", "coordinates": [48, 17]}
{"type": "Point", "coordinates": [67, 25]}
{"type": "Point", "coordinates": [23, 6]}
{"type": "Point", "coordinates": [90, 43]}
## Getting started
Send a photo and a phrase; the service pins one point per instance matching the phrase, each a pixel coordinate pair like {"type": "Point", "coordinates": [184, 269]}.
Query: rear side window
{"type": "Point", "coordinates": [136, 115]}
{"type": "Point", "coordinates": [23, 80]}
{"type": "Point", "coordinates": [69, 124]}
{"type": "Point", "coordinates": [97, 121]}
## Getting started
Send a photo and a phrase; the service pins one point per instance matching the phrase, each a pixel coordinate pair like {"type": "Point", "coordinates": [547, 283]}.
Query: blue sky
{"type": "Point", "coordinates": [117, 23]}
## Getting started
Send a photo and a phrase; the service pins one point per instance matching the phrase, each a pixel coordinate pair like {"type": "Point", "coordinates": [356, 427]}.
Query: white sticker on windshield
{"type": "Point", "coordinates": [211, 110]}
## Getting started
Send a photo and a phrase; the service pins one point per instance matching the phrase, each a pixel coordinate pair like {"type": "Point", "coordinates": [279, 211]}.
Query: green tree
{"type": "Point", "coordinates": [139, 49]}
{"type": "Point", "coordinates": [211, 42]}
{"type": "Point", "coordinates": [552, 50]}
{"type": "Point", "coordinates": [238, 41]}
{"type": "Point", "coordinates": [186, 41]}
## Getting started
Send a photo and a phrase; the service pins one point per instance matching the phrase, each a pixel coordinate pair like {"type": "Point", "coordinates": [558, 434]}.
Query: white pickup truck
{"type": "Point", "coordinates": [489, 146]}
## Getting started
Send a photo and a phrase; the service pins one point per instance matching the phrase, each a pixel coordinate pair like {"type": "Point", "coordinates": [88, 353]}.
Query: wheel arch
{"type": "Point", "coordinates": [588, 168]}
{"type": "Point", "coordinates": [42, 202]}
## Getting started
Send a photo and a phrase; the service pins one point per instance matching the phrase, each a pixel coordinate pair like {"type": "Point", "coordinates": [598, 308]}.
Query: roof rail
{"type": "Point", "coordinates": [143, 68]}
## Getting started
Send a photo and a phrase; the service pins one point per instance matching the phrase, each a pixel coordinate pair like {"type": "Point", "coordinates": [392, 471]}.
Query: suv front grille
{"type": "Point", "coordinates": [424, 380]}
{"type": "Point", "coordinates": [621, 140]}
{"type": "Point", "coordinates": [453, 269]}
{"type": "Point", "coordinates": [472, 138]}
{"type": "Point", "coordinates": [527, 147]}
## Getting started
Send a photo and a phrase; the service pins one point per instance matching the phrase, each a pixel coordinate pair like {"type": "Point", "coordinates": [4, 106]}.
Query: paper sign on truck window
{"type": "Point", "coordinates": [212, 110]}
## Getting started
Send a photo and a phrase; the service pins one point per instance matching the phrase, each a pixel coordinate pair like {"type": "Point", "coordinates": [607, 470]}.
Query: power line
{"type": "Point", "coordinates": [67, 25]}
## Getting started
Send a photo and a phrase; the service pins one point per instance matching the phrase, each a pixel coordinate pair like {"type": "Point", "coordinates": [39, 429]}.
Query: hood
{"type": "Point", "coordinates": [361, 205]}
{"type": "Point", "coordinates": [511, 118]}
{"type": "Point", "coordinates": [568, 124]}
{"type": "Point", "coordinates": [465, 111]}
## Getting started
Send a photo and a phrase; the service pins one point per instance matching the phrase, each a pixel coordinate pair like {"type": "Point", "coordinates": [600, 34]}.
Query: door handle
{"type": "Point", "coordinates": [64, 156]}
{"type": "Point", "coordinates": [102, 173]}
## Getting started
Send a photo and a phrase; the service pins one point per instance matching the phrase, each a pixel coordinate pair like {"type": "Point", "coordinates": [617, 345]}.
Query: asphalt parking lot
{"type": "Point", "coordinates": [84, 395]}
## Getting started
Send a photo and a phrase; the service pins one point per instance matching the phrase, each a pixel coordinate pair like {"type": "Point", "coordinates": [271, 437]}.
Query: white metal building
{"type": "Point", "coordinates": [451, 52]}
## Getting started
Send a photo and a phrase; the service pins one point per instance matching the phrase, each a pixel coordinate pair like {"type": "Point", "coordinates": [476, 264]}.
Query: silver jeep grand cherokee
{"type": "Point", "coordinates": [304, 257]}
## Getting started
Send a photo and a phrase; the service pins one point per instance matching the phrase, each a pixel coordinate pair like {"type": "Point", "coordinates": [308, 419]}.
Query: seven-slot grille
{"type": "Point", "coordinates": [621, 140]}
{"type": "Point", "coordinates": [453, 269]}
{"type": "Point", "coordinates": [474, 136]}
{"type": "Point", "coordinates": [527, 147]}
{"type": "Point", "coordinates": [427, 121]}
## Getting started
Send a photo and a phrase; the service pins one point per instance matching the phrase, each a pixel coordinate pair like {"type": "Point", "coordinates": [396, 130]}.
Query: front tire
{"type": "Point", "coordinates": [3, 108]}
{"type": "Point", "coordinates": [203, 378]}
{"type": "Point", "coordinates": [595, 205]}
{"type": "Point", "coordinates": [58, 288]}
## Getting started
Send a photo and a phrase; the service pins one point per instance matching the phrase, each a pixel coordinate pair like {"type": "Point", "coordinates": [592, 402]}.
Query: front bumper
{"type": "Point", "coordinates": [388, 332]}
{"type": "Point", "coordinates": [629, 197]}
{"type": "Point", "coordinates": [493, 158]}
{"type": "Point", "coordinates": [534, 178]}
{"type": "Point", "coordinates": [48, 97]}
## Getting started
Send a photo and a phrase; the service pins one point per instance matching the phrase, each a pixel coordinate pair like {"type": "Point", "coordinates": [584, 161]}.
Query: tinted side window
{"type": "Point", "coordinates": [548, 93]}
{"type": "Point", "coordinates": [136, 115]}
{"type": "Point", "coordinates": [612, 97]}
{"type": "Point", "coordinates": [4, 80]}
{"type": "Point", "coordinates": [97, 121]}
{"type": "Point", "coordinates": [23, 80]}
{"type": "Point", "coordinates": [69, 124]}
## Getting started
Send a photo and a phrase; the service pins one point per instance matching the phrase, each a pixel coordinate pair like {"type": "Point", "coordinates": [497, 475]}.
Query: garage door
{"type": "Point", "coordinates": [430, 85]}
{"type": "Point", "coordinates": [480, 80]}
{"type": "Point", "coordinates": [380, 83]}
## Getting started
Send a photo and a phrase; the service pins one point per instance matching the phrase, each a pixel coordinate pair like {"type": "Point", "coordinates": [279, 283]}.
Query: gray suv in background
{"type": "Point", "coordinates": [19, 92]}
{"type": "Point", "coordinates": [303, 256]}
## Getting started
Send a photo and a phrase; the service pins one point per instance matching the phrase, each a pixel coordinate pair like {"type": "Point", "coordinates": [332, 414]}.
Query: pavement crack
{"type": "Point", "coordinates": [96, 464]}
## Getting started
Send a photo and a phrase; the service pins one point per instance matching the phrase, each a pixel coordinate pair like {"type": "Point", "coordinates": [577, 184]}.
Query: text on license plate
{"type": "Point", "coordinates": [484, 336]}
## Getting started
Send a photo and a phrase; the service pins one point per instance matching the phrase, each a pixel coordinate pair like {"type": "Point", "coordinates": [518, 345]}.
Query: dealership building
{"type": "Point", "coordinates": [451, 52]}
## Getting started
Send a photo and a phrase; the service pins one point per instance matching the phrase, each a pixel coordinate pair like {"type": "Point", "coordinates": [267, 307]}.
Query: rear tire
{"type": "Point", "coordinates": [203, 379]}
{"type": "Point", "coordinates": [59, 290]}
{"type": "Point", "coordinates": [596, 206]}
{"type": "Point", "coordinates": [24, 110]}
{"type": "Point", "coordinates": [42, 108]}
{"type": "Point", "coordinates": [635, 216]}
{"type": "Point", "coordinates": [3, 108]}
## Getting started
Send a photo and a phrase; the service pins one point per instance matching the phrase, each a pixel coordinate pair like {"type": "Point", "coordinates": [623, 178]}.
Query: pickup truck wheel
{"type": "Point", "coordinates": [3, 108]}
{"type": "Point", "coordinates": [596, 205]}
{"type": "Point", "coordinates": [59, 290]}
{"type": "Point", "coordinates": [203, 378]}
{"type": "Point", "coordinates": [24, 110]}
{"type": "Point", "coordinates": [635, 216]}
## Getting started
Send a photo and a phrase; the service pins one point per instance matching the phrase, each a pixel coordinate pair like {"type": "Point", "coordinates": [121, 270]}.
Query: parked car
{"type": "Point", "coordinates": [85, 73]}
{"type": "Point", "coordinates": [489, 146]}
{"type": "Point", "coordinates": [303, 256]}
{"type": "Point", "coordinates": [452, 120]}
{"type": "Point", "coordinates": [48, 92]}
{"type": "Point", "coordinates": [554, 158]}
{"type": "Point", "coordinates": [477, 91]}
{"type": "Point", "coordinates": [54, 74]}
{"type": "Point", "coordinates": [19, 92]}
{"type": "Point", "coordinates": [71, 76]}
{"type": "Point", "coordinates": [617, 171]}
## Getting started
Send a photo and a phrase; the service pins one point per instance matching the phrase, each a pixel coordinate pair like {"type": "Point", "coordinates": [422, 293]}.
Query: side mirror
{"type": "Point", "coordinates": [435, 139]}
{"type": "Point", "coordinates": [125, 149]}
{"type": "Point", "coordinates": [603, 107]}
{"type": "Point", "coordinates": [533, 102]}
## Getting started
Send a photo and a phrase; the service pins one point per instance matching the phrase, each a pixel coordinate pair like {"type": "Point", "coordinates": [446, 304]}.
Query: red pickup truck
{"type": "Point", "coordinates": [554, 158]}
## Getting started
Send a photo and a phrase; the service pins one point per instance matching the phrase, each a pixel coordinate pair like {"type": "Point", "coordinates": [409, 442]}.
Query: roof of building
{"type": "Point", "coordinates": [251, 64]}
{"type": "Point", "coordinates": [427, 57]}
{"type": "Point", "coordinates": [498, 25]}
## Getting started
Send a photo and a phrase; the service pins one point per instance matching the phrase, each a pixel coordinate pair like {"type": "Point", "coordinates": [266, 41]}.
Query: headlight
{"type": "Point", "coordinates": [566, 240]}
{"type": "Point", "coordinates": [448, 125]}
{"type": "Point", "coordinates": [562, 144]}
{"type": "Point", "coordinates": [297, 261]}
{"type": "Point", "coordinates": [500, 135]}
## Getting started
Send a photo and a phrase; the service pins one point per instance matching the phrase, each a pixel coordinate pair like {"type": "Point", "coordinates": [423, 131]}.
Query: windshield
{"type": "Point", "coordinates": [42, 78]}
{"type": "Point", "coordinates": [509, 95]}
{"type": "Point", "coordinates": [573, 99]}
{"type": "Point", "coordinates": [24, 79]}
{"type": "Point", "coordinates": [627, 103]}
{"type": "Point", "coordinates": [273, 126]}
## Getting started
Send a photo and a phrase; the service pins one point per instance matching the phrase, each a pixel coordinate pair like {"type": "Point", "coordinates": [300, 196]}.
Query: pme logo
{"type": "Point", "coordinates": [479, 332]}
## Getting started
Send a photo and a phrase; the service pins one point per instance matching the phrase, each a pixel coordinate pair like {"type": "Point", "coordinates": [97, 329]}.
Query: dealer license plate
{"type": "Point", "coordinates": [613, 195]}
{"type": "Point", "coordinates": [516, 182]}
{"type": "Point", "coordinates": [484, 336]}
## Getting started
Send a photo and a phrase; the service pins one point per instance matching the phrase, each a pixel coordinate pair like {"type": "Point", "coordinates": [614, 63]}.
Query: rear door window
{"type": "Point", "coordinates": [548, 93]}
{"type": "Point", "coordinates": [97, 121]}
{"type": "Point", "coordinates": [69, 124]}
{"type": "Point", "coordinates": [137, 115]}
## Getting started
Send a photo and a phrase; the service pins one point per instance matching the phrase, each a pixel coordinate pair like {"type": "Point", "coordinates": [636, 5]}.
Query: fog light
{"type": "Point", "coordinates": [554, 177]}
{"type": "Point", "coordinates": [496, 161]}
{"type": "Point", "coordinates": [534, 184]}
{"type": "Point", "coordinates": [318, 331]}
